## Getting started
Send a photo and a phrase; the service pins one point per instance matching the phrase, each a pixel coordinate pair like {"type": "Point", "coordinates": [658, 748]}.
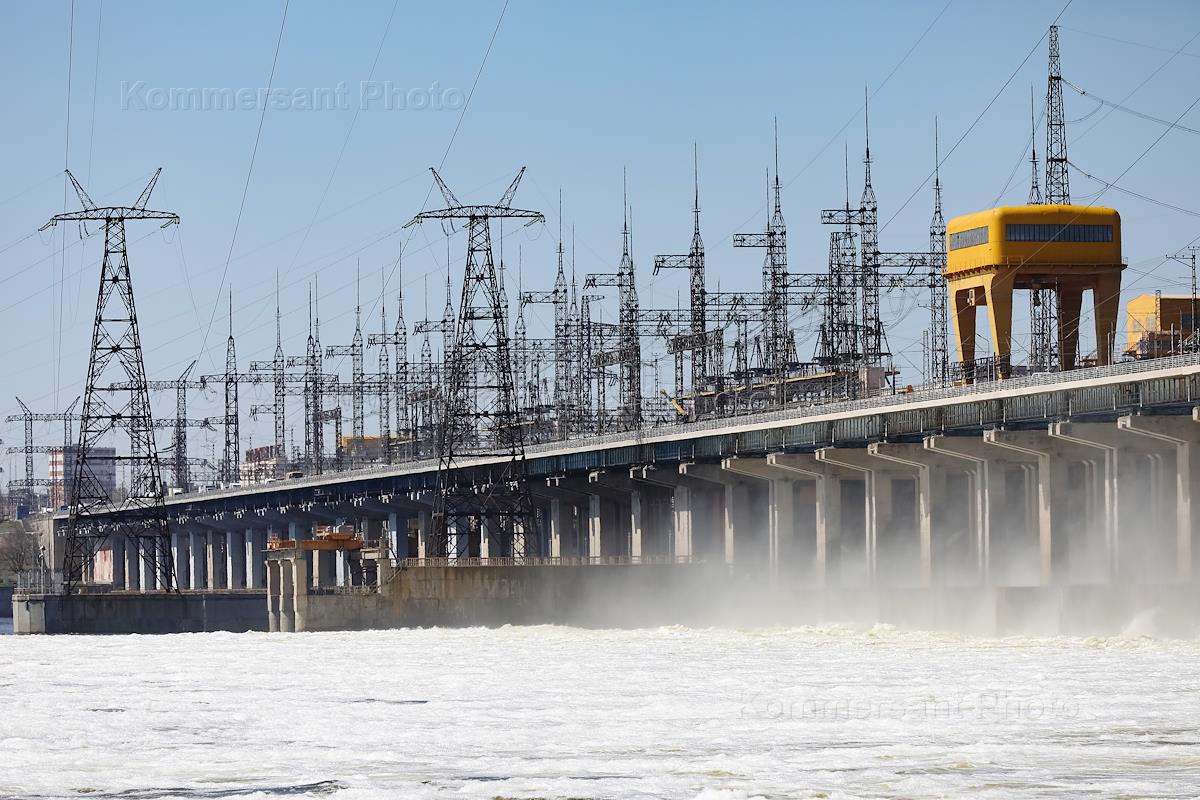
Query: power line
{"type": "Point", "coordinates": [1131, 193]}
{"type": "Point", "coordinates": [345, 143]}
{"type": "Point", "coordinates": [56, 348]}
{"type": "Point", "coordinates": [1138, 88]}
{"type": "Point", "coordinates": [1132, 43]}
{"type": "Point", "coordinates": [836, 136]}
{"type": "Point", "coordinates": [1153, 144]}
{"type": "Point", "coordinates": [1092, 96]}
{"type": "Point", "coordinates": [246, 187]}
{"type": "Point", "coordinates": [975, 122]}
{"type": "Point", "coordinates": [446, 153]}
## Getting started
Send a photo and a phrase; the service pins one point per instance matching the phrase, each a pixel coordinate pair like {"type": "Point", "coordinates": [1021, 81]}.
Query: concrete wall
{"type": "Point", "coordinates": [651, 595]}
{"type": "Point", "coordinates": [593, 596]}
{"type": "Point", "coordinates": [141, 613]}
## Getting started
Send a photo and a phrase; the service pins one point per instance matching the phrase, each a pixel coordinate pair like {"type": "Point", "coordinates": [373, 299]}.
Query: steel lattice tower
{"type": "Point", "coordinates": [182, 473]}
{"type": "Point", "coordinates": [577, 390]}
{"type": "Point", "coordinates": [841, 337]}
{"type": "Point", "coordinates": [387, 383]}
{"type": "Point", "coordinates": [279, 410]}
{"type": "Point", "coordinates": [868, 227]}
{"type": "Point", "coordinates": [557, 298]}
{"type": "Point", "coordinates": [116, 351]}
{"type": "Point", "coordinates": [431, 372]}
{"type": "Point", "coordinates": [28, 448]}
{"type": "Point", "coordinates": [357, 372]}
{"type": "Point", "coordinates": [1058, 184]}
{"type": "Point", "coordinates": [232, 456]}
{"type": "Point", "coordinates": [775, 278]}
{"type": "Point", "coordinates": [526, 391]}
{"type": "Point", "coordinates": [179, 460]}
{"type": "Point", "coordinates": [628, 355]}
{"type": "Point", "coordinates": [1043, 312]}
{"type": "Point", "coordinates": [314, 437]}
{"type": "Point", "coordinates": [398, 391]}
{"type": "Point", "coordinates": [697, 340]}
{"type": "Point", "coordinates": [404, 416]}
{"type": "Point", "coordinates": [278, 407]}
{"type": "Point", "coordinates": [939, 350]}
{"type": "Point", "coordinates": [1035, 189]}
{"type": "Point", "coordinates": [480, 415]}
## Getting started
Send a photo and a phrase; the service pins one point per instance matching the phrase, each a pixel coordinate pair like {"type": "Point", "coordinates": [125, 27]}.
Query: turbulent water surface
{"type": "Point", "coordinates": [565, 713]}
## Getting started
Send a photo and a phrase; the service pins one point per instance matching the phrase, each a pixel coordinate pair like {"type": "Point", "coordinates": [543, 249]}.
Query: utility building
{"type": "Point", "coordinates": [62, 464]}
{"type": "Point", "coordinates": [1159, 324]}
{"type": "Point", "coordinates": [1056, 250]}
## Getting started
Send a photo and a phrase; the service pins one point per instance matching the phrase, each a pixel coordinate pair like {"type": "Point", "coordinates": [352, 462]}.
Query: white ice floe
{"type": "Point", "coordinates": [560, 712]}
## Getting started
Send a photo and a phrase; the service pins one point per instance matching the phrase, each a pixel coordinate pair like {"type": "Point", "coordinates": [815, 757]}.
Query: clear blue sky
{"type": "Point", "coordinates": [575, 92]}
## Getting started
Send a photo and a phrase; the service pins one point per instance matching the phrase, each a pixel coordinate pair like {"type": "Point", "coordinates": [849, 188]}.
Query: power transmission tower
{"type": "Point", "coordinates": [775, 279]}
{"type": "Point", "coordinates": [357, 380]}
{"type": "Point", "coordinates": [868, 227]}
{"type": "Point", "coordinates": [430, 375]}
{"type": "Point", "coordinates": [480, 413]}
{"type": "Point", "coordinates": [939, 348]}
{"type": "Point", "coordinates": [628, 355]}
{"type": "Point", "coordinates": [179, 462]}
{"type": "Point", "coordinates": [384, 383]}
{"type": "Point", "coordinates": [561, 344]}
{"type": "Point", "coordinates": [314, 435]}
{"type": "Point", "coordinates": [404, 415]}
{"type": "Point", "coordinates": [578, 389]}
{"type": "Point", "coordinates": [1187, 257]}
{"type": "Point", "coordinates": [232, 457]}
{"type": "Point", "coordinates": [29, 417]}
{"type": "Point", "coordinates": [397, 387]}
{"type": "Point", "coordinates": [838, 347]}
{"type": "Point", "coordinates": [527, 394]}
{"type": "Point", "coordinates": [697, 341]}
{"type": "Point", "coordinates": [1035, 190]}
{"type": "Point", "coordinates": [278, 408]}
{"type": "Point", "coordinates": [116, 351]}
{"type": "Point", "coordinates": [1058, 184]}
{"type": "Point", "coordinates": [1043, 300]}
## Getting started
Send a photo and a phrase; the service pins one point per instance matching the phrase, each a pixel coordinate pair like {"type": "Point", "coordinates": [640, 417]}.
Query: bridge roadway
{"type": "Point", "coordinates": [1076, 478]}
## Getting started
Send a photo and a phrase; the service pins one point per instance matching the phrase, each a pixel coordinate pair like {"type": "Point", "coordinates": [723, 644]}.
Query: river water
{"type": "Point", "coordinates": [547, 712]}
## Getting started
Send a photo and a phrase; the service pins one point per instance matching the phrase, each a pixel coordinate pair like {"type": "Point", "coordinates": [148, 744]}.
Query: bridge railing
{"type": "Point", "coordinates": [886, 401]}
{"type": "Point", "coordinates": [540, 561]}
{"type": "Point", "coordinates": [36, 582]}
{"type": "Point", "coordinates": [880, 402]}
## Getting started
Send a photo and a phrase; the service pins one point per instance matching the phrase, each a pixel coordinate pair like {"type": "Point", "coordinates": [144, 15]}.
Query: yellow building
{"type": "Point", "coordinates": [1064, 249]}
{"type": "Point", "coordinates": [1157, 324]}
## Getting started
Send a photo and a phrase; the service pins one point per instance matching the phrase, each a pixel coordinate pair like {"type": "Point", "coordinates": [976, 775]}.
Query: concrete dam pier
{"type": "Point", "coordinates": [1050, 504]}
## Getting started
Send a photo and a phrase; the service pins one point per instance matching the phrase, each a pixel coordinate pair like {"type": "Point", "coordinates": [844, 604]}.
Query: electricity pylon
{"type": "Point", "coordinates": [116, 358]}
{"type": "Point", "coordinates": [481, 416]}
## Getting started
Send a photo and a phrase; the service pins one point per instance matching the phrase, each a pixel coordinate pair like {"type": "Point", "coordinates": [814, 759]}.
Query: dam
{"type": "Point", "coordinates": [1047, 500]}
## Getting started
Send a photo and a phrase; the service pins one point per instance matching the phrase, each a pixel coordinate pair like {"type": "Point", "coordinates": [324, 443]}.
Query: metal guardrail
{"type": "Point", "coordinates": [36, 582]}
{"type": "Point", "coordinates": [887, 401]}
{"type": "Point", "coordinates": [357, 588]}
{"type": "Point", "coordinates": [541, 561]}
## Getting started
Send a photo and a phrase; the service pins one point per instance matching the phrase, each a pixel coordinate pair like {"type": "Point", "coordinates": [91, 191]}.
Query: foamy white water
{"type": "Point", "coordinates": [567, 713]}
